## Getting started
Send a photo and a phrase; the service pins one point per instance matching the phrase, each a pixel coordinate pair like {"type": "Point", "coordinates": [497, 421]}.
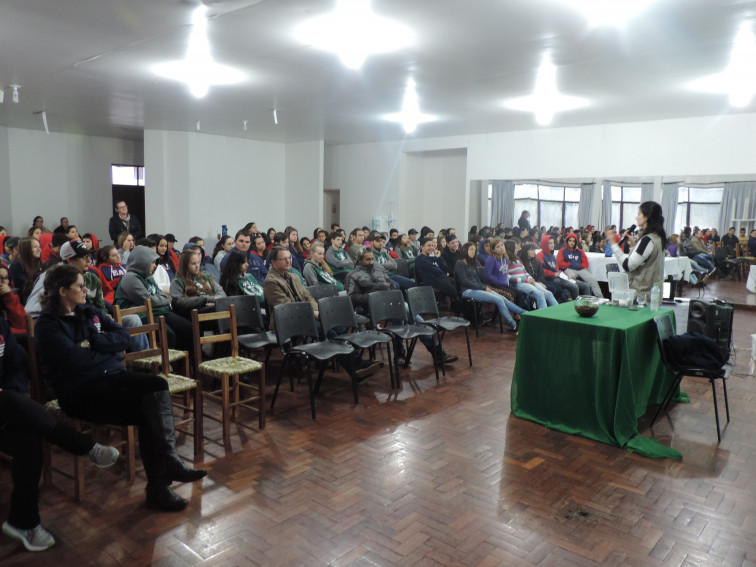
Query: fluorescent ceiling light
{"type": "Point", "coordinates": [546, 100]}
{"type": "Point", "coordinates": [410, 115]}
{"type": "Point", "coordinates": [354, 32]}
{"type": "Point", "coordinates": [198, 70]}
{"type": "Point", "coordinates": [609, 12]}
{"type": "Point", "coordinates": [738, 80]}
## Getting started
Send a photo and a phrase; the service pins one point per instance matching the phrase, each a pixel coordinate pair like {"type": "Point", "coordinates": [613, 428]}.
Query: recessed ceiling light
{"type": "Point", "coordinates": [609, 12]}
{"type": "Point", "coordinates": [410, 115]}
{"type": "Point", "coordinates": [546, 100]}
{"type": "Point", "coordinates": [354, 32]}
{"type": "Point", "coordinates": [198, 71]}
{"type": "Point", "coordinates": [738, 80]}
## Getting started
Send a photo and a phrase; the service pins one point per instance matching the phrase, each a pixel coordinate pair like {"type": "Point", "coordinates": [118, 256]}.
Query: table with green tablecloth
{"type": "Point", "coordinates": [591, 376]}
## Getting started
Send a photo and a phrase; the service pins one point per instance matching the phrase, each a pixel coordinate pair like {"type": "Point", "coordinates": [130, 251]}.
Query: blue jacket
{"type": "Point", "coordinates": [68, 363]}
{"type": "Point", "coordinates": [429, 268]}
{"type": "Point", "coordinates": [12, 361]}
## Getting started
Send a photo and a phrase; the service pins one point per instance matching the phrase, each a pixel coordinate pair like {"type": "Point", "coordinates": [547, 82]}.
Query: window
{"type": "Point", "coordinates": [698, 206]}
{"type": "Point", "coordinates": [548, 205]}
{"type": "Point", "coordinates": [127, 175]}
{"type": "Point", "coordinates": [625, 203]}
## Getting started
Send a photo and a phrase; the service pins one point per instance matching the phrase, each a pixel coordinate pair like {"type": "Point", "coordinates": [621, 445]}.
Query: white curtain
{"type": "Point", "coordinates": [502, 203]}
{"type": "Point", "coordinates": [669, 205]}
{"type": "Point", "coordinates": [606, 206]}
{"type": "Point", "coordinates": [585, 208]}
{"type": "Point", "coordinates": [738, 201]}
{"type": "Point", "coordinates": [647, 192]}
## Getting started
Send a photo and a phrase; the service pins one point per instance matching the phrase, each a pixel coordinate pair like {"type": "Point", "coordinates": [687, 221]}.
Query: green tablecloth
{"type": "Point", "coordinates": [592, 377]}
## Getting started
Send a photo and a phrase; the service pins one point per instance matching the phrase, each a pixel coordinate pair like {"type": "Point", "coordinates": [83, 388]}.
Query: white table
{"type": "Point", "coordinates": [678, 268]}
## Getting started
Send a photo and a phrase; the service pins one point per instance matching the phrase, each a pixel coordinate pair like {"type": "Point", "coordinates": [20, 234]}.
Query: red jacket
{"type": "Point", "coordinates": [564, 264]}
{"type": "Point", "coordinates": [14, 313]}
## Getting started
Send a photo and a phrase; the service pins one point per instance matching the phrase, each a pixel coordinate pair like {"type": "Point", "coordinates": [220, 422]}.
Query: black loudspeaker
{"type": "Point", "coordinates": [713, 319]}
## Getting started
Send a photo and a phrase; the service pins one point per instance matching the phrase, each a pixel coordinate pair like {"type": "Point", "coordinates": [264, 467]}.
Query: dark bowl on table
{"type": "Point", "coordinates": [586, 305]}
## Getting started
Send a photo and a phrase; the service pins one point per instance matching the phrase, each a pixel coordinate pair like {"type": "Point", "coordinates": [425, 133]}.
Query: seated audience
{"type": "Point", "coordinates": [26, 267]}
{"type": "Point", "coordinates": [111, 270]}
{"type": "Point", "coordinates": [534, 268]}
{"type": "Point", "coordinates": [467, 278]}
{"type": "Point", "coordinates": [338, 259]}
{"type": "Point", "coordinates": [125, 242]}
{"type": "Point", "coordinates": [553, 274]}
{"type": "Point", "coordinates": [223, 247]}
{"type": "Point", "coordinates": [10, 305]}
{"type": "Point", "coordinates": [432, 270]}
{"type": "Point", "coordinates": [255, 264]}
{"type": "Point", "coordinates": [519, 277]}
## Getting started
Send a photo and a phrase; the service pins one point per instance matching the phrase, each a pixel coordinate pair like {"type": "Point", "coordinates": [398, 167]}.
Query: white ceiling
{"type": "Point", "coordinates": [87, 64]}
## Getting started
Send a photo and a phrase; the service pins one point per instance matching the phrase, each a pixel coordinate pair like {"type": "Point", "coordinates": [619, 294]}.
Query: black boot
{"type": "Point", "coordinates": [160, 416]}
{"type": "Point", "coordinates": [160, 495]}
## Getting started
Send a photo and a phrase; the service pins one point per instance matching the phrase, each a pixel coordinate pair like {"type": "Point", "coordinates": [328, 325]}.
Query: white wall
{"type": "Point", "coordinates": [198, 182]}
{"type": "Point", "coordinates": [703, 148]}
{"type": "Point", "coordinates": [55, 175]}
{"type": "Point", "coordinates": [304, 187]}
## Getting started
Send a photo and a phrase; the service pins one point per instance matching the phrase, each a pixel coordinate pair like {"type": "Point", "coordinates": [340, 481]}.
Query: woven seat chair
{"type": "Point", "coordinates": [232, 392]}
{"type": "Point", "coordinates": [150, 363]}
{"type": "Point", "coordinates": [185, 392]}
{"type": "Point", "coordinates": [127, 433]}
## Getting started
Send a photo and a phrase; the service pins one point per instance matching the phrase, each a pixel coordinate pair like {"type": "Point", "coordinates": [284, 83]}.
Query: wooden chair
{"type": "Point", "coordinates": [186, 392]}
{"type": "Point", "coordinates": [150, 363]}
{"type": "Point", "coordinates": [39, 394]}
{"type": "Point", "coordinates": [228, 371]}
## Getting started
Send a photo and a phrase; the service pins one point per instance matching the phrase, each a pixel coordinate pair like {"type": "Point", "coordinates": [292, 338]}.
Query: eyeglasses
{"type": "Point", "coordinates": [287, 259]}
{"type": "Point", "coordinates": [81, 286]}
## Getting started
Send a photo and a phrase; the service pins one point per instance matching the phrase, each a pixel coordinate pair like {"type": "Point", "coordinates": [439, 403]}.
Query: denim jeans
{"type": "Point", "coordinates": [502, 303]}
{"type": "Point", "coordinates": [543, 297]}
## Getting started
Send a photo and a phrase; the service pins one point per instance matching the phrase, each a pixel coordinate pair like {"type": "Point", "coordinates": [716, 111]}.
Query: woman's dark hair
{"type": "Point", "coordinates": [219, 245]}
{"type": "Point", "coordinates": [524, 251]}
{"type": "Point", "coordinates": [464, 256]}
{"type": "Point", "coordinates": [190, 287]}
{"type": "Point", "coordinates": [32, 266]}
{"type": "Point", "coordinates": [655, 223]}
{"type": "Point", "coordinates": [62, 275]}
{"type": "Point", "coordinates": [103, 254]}
{"type": "Point", "coordinates": [231, 272]}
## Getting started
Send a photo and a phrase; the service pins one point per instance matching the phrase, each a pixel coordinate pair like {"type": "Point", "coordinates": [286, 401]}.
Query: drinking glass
{"type": "Point", "coordinates": [642, 298]}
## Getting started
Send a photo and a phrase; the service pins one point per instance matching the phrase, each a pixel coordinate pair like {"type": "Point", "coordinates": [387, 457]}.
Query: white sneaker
{"type": "Point", "coordinates": [102, 456]}
{"type": "Point", "coordinates": [35, 539]}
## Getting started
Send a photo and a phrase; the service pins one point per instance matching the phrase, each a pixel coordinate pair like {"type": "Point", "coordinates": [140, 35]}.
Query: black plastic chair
{"type": "Point", "coordinates": [338, 313]}
{"type": "Point", "coordinates": [296, 321]}
{"type": "Point", "coordinates": [388, 307]}
{"type": "Point", "coordinates": [612, 267]}
{"type": "Point", "coordinates": [248, 317]}
{"type": "Point", "coordinates": [665, 330]}
{"type": "Point", "coordinates": [320, 291]}
{"type": "Point", "coordinates": [422, 303]}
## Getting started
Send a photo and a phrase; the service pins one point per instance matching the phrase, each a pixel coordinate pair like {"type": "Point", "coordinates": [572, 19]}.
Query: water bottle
{"type": "Point", "coordinates": [656, 296]}
{"type": "Point", "coordinates": [224, 230]}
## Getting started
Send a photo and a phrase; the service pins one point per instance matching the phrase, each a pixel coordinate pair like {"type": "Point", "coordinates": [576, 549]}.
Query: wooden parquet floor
{"type": "Point", "coordinates": [434, 475]}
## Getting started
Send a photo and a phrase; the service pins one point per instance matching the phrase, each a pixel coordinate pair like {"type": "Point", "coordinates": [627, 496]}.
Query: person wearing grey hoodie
{"type": "Point", "coordinates": [138, 285]}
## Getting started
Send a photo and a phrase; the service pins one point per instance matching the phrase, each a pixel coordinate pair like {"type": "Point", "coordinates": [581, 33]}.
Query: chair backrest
{"type": "Point", "coordinates": [36, 387]}
{"type": "Point", "coordinates": [336, 311]}
{"type": "Point", "coordinates": [387, 305]}
{"type": "Point", "coordinates": [159, 348]}
{"type": "Point", "coordinates": [422, 301]}
{"type": "Point", "coordinates": [618, 281]}
{"type": "Point", "coordinates": [402, 267]}
{"type": "Point", "coordinates": [664, 331]}
{"type": "Point", "coordinates": [295, 320]}
{"type": "Point", "coordinates": [248, 312]}
{"type": "Point", "coordinates": [144, 312]}
{"type": "Point", "coordinates": [323, 290]}
{"type": "Point", "coordinates": [611, 267]}
{"type": "Point", "coordinates": [228, 336]}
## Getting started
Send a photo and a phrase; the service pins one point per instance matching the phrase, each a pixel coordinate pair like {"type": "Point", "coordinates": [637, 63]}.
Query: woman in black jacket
{"type": "Point", "coordinates": [81, 351]}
